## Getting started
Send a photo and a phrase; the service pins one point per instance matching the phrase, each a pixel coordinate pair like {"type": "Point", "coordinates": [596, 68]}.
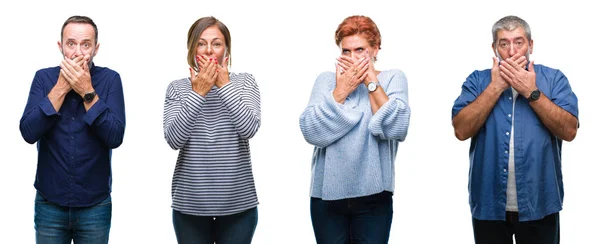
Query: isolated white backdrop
{"type": "Point", "coordinates": [286, 45]}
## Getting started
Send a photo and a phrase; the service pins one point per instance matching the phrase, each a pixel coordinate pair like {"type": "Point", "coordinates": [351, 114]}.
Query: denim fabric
{"type": "Point", "coordinates": [56, 224]}
{"type": "Point", "coordinates": [358, 220]}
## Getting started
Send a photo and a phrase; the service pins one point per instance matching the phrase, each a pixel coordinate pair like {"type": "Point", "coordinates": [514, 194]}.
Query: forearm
{"type": "Point", "coordinates": [560, 122]}
{"type": "Point", "coordinates": [107, 121]}
{"type": "Point", "coordinates": [323, 124]}
{"type": "Point", "coordinates": [180, 118]}
{"type": "Point", "coordinates": [89, 105]}
{"type": "Point", "coordinates": [470, 119]}
{"type": "Point", "coordinates": [377, 99]}
{"type": "Point", "coordinates": [57, 97]}
{"type": "Point", "coordinates": [243, 105]}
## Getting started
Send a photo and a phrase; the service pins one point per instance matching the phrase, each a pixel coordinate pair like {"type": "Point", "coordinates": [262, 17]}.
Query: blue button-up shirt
{"type": "Point", "coordinates": [74, 146]}
{"type": "Point", "coordinates": [537, 152]}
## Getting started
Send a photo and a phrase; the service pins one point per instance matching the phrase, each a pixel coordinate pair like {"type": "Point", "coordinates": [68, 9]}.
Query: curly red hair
{"type": "Point", "coordinates": [359, 24]}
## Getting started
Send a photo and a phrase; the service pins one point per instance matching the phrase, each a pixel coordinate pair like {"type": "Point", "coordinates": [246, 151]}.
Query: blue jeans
{"type": "Point", "coordinates": [230, 229]}
{"type": "Point", "coordinates": [365, 219]}
{"type": "Point", "coordinates": [56, 224]}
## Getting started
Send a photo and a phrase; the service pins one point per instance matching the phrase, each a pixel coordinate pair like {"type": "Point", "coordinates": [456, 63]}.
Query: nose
{"type": "Point", "coordinates": [512, 50]}
{"type": "Point", "coordinates": [78, 51]}
{"type": "Point", "coordinates": [209, 49]}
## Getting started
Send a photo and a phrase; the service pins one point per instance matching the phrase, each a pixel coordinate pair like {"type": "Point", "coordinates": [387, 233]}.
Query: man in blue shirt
{"type": "Point", "coordinates": [76, 114]}
{"type": "Point", "coordinates": [517, 114]}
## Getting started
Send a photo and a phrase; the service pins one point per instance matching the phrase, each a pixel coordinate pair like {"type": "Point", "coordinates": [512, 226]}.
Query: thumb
{"type": "Point", "coordinates": [225, 62]}
{"type": "Point", "coordinates": [191, 74]}
{"type": "Point", "coordinates": [495, 62]}
{"type": "Point", "coordinates": [531, 69]}
{"type": "Point", "coordinates": [86, 68]}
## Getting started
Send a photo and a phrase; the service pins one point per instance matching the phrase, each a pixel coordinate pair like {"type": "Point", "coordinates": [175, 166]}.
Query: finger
{"type": "Point", "coordinates": [531, 68]}
{"type": "Point", "coordinates": [86, 68]}
{"type": "Point", "coordinates": [506, 77]}
{"type": "Point", "coordinates": [495, 64]}
{"type": "Point", "coordinates": [344, 64]}
{"type": "Point", "coordinates": [364, 67]}
{"type": "Point", "coordinates": [201, 61]}
{"type": "Point", "coordinates": [72, 66]}
{"type": "Point", "coordinates": [64, 67]}
{"type": "Point", "coordinates": [66, 76]}
{"type": "Point", "coordinates": [191, 74]}
{"type": "Point", "coordinates": [210, 69]}
{"type": "Point", "coordinates": [506, 70]}
{"type": "Point", "coordinates": [363, 76]}
{"type": "Point", "coordinates": [216, 73]}
{"type": "Point", "coordinates": [338, 71]}
{"type": "Point", "coordinates": [509, 66]}
{"type": "Point", "coordinates": [225, 62]}
{"type": "Point", "coordinates": [345, 61]}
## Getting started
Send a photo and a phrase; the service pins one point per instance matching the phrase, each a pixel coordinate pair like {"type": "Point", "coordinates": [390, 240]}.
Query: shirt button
{"type": "Point", "coordinates": [505, 152]}
{"type": "Point", "coordinates": [507, 133]}
{"type": "Point", "coordinates": [71, 157]}
{"type": "Point", "coordinates": [72, 137]}
{"type": "Point", "coordinates": [509, 98]}
{"type": "Point", "coordinates": [509, 115]}
{"type": "Point", "coordinates": [72, 118]}
{"type": "Point", "coordinates": [504, 170]}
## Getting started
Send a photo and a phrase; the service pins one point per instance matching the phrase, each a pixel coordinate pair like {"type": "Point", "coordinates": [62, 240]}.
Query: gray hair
{"type": "Point", "coordinates": [510, 23]}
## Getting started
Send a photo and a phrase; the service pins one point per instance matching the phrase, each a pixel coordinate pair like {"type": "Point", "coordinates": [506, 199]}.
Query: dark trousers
{"type": "Point", "coordinates": [542, 231]}
{"type": "Point", "coordinates": [359, 220]}
{"type": "Point", "coordinates": [230, 229]}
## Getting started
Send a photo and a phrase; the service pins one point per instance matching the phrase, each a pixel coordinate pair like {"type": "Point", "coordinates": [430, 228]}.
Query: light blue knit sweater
{"type": "Point", "coordinates": [355, 149]}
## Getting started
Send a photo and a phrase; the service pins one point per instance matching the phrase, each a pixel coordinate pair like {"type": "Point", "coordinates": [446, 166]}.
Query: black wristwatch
{"type": "Point", "coordinates": [89, 97]}
{"type": "Point", "coordinates": [535, 95]}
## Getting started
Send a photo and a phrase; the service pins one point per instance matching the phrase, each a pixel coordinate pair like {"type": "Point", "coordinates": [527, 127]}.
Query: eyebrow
{"type": "Point", "coordinates": [508, 39]}
{"type": "Point", "coordinates": [216, 38]}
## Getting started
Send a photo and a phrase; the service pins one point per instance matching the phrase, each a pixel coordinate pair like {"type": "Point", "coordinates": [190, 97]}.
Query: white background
{"type": "Point", "coordinates": [286, 45]}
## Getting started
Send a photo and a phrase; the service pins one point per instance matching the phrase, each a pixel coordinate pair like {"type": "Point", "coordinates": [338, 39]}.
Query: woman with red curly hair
{"type": "Point", "coordinates": [355, 119]}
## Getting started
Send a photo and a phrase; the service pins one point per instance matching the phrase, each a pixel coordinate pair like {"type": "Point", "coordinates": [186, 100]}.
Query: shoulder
{"type": "Point", "coordinates": [547, 71]}
{"type": "Point", "coordinates": [327, 75]}
{"type": "Point", "coordinates": [180, 84]}
{"type": "Point", "coordinates": [394, 74]}
{"type": "Point", "coordinates": [479, 76]}
{"type": "Point", "coordinates": [243, 76]}
{"type": "Point", "coordinates": [104, 71]}
{"type": "Point", "coordinates": [48, 71]}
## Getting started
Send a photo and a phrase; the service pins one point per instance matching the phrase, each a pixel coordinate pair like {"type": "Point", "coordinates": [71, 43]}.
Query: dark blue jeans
{"type": "Point", "coordinates": [543, 231]}
{"type": "Point", "coordinates": [230, 229]}
{"type": "Point", "coordinates": [56, 224]}
{"type": "Point", "coordinates": [365, 219]}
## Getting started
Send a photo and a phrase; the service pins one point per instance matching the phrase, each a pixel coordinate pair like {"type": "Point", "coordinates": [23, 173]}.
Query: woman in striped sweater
{"type": "Point", "coordinates": [355, 119]}
{"type": "Point", "coordinates": [209, 117]}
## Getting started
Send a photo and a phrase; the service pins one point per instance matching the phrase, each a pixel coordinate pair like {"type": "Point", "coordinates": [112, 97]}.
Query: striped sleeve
{"type": "Point", "coordinates": [324, 121]}
{"type": "Point", "coordinates": [391, 121]}
{"type": "Point", "coordinates": [241, 98]}
{"type": "Point", "coordinates": [181, 109]}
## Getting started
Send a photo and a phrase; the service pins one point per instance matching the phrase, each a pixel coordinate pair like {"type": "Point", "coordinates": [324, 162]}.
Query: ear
{"type": "Point", "coordinates": [374, 51]}
{"type": "Point", "coordinates": [531, 47]}
{"type": "Point", "coordinates": [494, 48]}
{"type": "Point", "coordinates": [60, 48]}
{"type": "Point", "coordinates": [96, 51]}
